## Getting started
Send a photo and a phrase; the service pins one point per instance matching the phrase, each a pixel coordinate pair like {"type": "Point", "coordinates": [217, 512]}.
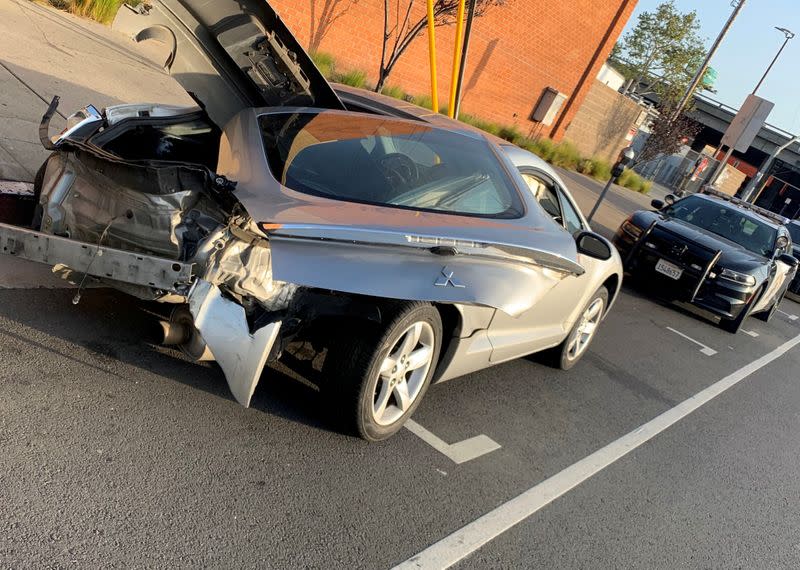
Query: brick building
{"type": "Point", "coordinates": [517, 51]}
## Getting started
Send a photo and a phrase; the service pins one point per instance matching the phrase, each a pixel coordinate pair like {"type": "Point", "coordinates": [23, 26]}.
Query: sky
{"type": "Point", "coordinates": [746, 51]}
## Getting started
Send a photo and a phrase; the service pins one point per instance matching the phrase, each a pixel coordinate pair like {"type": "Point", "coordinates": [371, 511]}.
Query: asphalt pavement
{"type": "Point", "coordinates": [116, 452]}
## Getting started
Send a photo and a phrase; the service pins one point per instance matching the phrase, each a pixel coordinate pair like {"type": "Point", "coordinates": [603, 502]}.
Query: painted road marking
{"type": "Point", "coordinates": [708, 351]}
{"type": "Point", "coordinates": [459, 452]}
{"type": "Point", "coordinates": [751, 333]}
{"type": "Point", "coordinates": [471, 537]}
{"type": "Point", "coordinates": [790, 316]}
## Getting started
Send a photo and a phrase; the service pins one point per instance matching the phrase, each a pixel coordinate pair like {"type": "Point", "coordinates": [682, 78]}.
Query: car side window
{"type": "Point", "coordinates": [545, 194]}
{"type": "Point", "coordinates": [572, 221]}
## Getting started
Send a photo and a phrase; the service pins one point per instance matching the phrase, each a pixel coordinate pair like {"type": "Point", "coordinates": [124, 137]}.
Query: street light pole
{"type": "Point", "coordinates": [789, 35]}
{"type": "Point", "coordinates": [721, 166]}
{"type": "Point", "coordinates": [698, 76]}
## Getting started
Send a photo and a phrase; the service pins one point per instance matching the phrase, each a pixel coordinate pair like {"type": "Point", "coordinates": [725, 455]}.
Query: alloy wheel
{"type": "Point", "coordinates": [402, 373]}
{"type": "Point", "coordinates": [586, 328]}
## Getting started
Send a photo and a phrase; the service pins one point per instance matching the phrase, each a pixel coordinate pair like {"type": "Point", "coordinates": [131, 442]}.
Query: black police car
{"type": "Point", "coordinates": [721, 254]}
{"type": "Point", "coordinates": [794, 231]}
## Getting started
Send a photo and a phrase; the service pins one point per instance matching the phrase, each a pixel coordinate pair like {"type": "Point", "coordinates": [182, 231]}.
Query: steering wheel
{"type": "Point", "coordinates": [400, 170]}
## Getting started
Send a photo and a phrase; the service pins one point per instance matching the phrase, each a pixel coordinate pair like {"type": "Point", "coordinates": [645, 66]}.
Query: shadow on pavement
{"type": "Point", "coordinates": [116, 327]}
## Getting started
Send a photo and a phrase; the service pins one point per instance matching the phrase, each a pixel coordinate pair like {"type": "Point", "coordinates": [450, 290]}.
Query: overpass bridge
{"type": "Point", "coordinates": [781, 189]}
{"type": "Point", "coordinates": [716, 117]}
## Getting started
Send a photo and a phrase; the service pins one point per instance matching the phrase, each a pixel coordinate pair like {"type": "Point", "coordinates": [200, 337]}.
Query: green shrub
{"type": "Point", "coordinates": [601, 169]}
{"type": "Point", "coordinates": [626, 179]}
{"type": "Point", "coordinates": [325, 62]}
{"type": "Point", "coordinates": [489, 127]}
{"type": "Point", "coordinates": [101, 10]}
{"type": "Point", "coordinates": [629, 179]}
{"type": "Point", "coordinates": [512, 134]}
{"type": "Point", "coordinates": [586, 166]}
{"type": "Point", "coordinates": [426, 102]}
{"type": "Point", "coordinates": [543, 148]}
{"type": "Point", "coordinates": [423, 101]}
{"type": "Point", "coordinates": [353, 78]}
{"type": "Point", "coordinates": [566, 155]}
{"type": "Point", "coordinates": [394, 91]}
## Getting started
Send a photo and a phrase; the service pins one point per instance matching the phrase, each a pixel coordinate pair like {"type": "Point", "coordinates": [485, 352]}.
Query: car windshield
{"type": "Point", "coordinates": [794, 231]}
{"type": "Point", "coordinates": [726, 221]}
{"type": "Point", "coordinates": [383, 161]}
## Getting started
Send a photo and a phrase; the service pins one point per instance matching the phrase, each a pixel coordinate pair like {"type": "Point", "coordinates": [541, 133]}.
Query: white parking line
{"type": "Point", "coordinates": [459, 452]}
{"type": "Point", "coordinates": [708, 351]}
{"type": "Point", "coordinates": [750, 333]}
{"type": "Point", "coordinates": [471, 537]}
{"type": "Point", "coordinates": [790, 316]}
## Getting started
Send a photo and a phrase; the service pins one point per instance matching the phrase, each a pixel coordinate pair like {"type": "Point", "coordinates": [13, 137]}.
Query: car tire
{"type": "Point", "coordinates": [376, 376]}
{"type": "Point", "coordinates": [571, 350]}
{"type": "Point", "coordinates": [767, 315]}
{"type": "Point", "coordinates": [733, 325]}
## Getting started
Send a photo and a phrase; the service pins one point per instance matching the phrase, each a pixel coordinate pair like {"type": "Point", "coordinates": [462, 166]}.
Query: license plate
{"type": "Point", "coordinates": [669, 269]}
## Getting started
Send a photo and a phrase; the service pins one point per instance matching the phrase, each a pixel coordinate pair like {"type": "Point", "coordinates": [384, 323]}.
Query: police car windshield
{"type": "Point", "coordinates": [726, 221]}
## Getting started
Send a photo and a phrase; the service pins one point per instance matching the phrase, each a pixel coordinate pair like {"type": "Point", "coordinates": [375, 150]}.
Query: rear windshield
{"type": "Point", "coordinates": [726, 221]}
{"type": "Point", "coordinates": [383, 161]}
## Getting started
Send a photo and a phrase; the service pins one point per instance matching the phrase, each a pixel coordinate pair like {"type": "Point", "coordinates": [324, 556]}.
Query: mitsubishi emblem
{"type": "Point", "coordinates": [447, 279]}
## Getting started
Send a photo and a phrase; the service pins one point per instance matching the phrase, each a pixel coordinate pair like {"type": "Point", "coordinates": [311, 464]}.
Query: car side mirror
{"type": "Point", "coordinates": [593, 245]}
{"type": "Point", "coordinates": [789, 260]}
{"type": "Point", "coordinates": [669, 199]}
{"type": "Point", "coordinates": [657, 204]}
{"type": "Point", "coordinates": [782, 242]}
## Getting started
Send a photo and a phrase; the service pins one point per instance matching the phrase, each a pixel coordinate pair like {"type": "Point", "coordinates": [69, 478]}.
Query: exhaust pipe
{"type": "Point", "coordinates": [173, 333]}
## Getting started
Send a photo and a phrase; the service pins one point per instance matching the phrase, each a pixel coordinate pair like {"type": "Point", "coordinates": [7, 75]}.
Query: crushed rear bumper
{"type": "Point", "coordinates": [98, 261]}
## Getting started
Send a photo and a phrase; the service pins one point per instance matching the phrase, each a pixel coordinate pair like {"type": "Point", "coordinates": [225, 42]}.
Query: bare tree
{"type": "Point", "coordinates": [400, 31]}
{"type": "Point", "coordinates": [667, 136]}
{"type": "Point", "coordinates": [331, 11]}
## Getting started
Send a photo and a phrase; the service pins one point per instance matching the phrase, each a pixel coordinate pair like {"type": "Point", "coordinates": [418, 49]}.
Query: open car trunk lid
{"type": "Point", "coordinates": [229, 54]}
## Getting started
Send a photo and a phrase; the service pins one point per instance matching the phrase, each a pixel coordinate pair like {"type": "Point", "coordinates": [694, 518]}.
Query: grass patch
{"type": "Point", "coordinates": [543, 148]}
{"type": "Point", "coordinates": [325, 62]}
{"type": "Point", "coordinates": [426, 102]}
{"type": "Point", "coordinates": [353, 78]}
{"type": "Point", "coordinates": [512, 134]}
{"type": "Point", "coordinates": [394, 91]}
{"type": "Point", "coordinates": [101, 10]}
{"type": "Point", "coordinates": [629, 179]}
{"type": "Point", "coordinates": [601, 169]}
{"type": "Point", "coordinates": [478, 123]}
{"type": "Point", "coordinates": [566, 155]}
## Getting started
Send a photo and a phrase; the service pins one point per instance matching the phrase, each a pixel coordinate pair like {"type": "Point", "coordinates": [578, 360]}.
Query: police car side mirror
{"type": "Point", "coordinates": [789, 260]}
{"type": "Point", "coordinates": [657, 204]}
{"type": "Point", "coordinates": [669, 199]}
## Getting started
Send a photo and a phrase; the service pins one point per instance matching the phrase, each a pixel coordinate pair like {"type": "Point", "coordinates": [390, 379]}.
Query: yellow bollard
{"type": "Point", "coordinates": [456, 57]}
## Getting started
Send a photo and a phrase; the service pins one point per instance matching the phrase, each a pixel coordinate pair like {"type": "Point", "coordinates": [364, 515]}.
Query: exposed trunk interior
{"type": "Point", "coordinates": [190, 139]}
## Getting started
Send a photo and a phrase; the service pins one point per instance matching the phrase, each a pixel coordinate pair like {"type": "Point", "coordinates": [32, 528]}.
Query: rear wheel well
{"type": "Point", "coordinates": [611, 284]}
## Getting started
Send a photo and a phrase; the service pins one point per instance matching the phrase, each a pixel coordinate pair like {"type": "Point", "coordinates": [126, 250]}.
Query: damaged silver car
{"type": "Point", "coordinates": [397, 249]}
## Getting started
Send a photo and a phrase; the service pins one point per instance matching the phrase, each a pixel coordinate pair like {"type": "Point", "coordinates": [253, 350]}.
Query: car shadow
{"type": "Point", "coordinates": [638, 291]}
{"type": "Point", "coordinates": [113, 326]}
